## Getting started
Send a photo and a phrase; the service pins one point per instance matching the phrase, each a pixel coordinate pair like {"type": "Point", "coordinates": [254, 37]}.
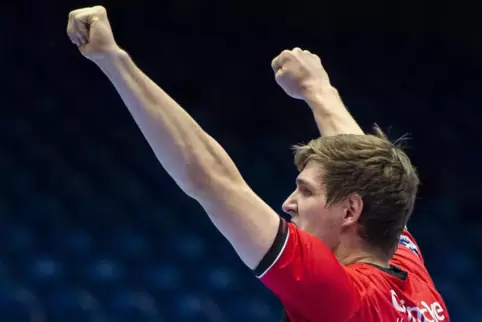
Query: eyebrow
{"type": "Point", "coordinates": [303, 182]}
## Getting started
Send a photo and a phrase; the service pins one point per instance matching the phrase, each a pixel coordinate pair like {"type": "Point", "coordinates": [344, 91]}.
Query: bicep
{"type": "Point", "coordinates": [248, 223]}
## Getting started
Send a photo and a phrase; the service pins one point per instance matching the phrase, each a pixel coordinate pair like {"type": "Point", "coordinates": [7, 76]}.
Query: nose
{"type": "Point", "coordinates": [289, 206]}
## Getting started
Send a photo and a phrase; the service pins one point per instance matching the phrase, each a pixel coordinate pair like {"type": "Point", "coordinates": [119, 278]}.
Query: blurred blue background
{"type": "Point", "coordinates": [92, 228]}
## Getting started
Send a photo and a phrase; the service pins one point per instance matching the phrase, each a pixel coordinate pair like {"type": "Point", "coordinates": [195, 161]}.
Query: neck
{"type": "Point", "coordinates": [350, 256]}
{"type": "Point", "coordinates": [364, 258]}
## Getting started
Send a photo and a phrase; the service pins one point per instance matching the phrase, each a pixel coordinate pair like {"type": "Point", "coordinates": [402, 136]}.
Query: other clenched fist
{"type": "Point", "coordinates": [90, 30]}
{"type": "Point", "coordinates": [299, 72]}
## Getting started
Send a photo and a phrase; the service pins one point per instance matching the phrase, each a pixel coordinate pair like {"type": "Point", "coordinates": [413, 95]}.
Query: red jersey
{"type": "Point", "coordinates": [313, 286]}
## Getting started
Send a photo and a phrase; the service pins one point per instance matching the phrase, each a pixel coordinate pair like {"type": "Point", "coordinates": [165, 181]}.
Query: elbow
{"type": "Point", "coordinates": [207, 170]}
{"type": "Point", "coordinates": [195, 184]}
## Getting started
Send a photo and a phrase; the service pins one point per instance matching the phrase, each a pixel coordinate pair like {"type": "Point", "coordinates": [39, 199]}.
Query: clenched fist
{"type": "Point", "coordinates": [299, 73]}
{"type": "Point", "coordinates": [90, 30]}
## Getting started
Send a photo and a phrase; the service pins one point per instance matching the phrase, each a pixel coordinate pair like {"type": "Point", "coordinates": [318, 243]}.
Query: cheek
{"type": "Point", "coordinates": [320, 222]}
{"type": "Point", "coordinates": [310, 216]}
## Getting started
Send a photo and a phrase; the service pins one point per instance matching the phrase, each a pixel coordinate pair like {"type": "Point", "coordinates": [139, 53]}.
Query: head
{"type": "Point", "coordinates": [354, 192]}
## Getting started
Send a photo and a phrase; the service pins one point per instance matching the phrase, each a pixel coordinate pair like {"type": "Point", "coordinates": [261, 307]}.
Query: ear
{"type": "Point", "coordinates": [353, 209]}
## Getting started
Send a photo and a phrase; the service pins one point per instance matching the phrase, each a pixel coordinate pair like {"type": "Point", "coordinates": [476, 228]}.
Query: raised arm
{"type": "Point", "coordinates": [197, 163]}
{"type": "Point", "coordinates": [302, 76]}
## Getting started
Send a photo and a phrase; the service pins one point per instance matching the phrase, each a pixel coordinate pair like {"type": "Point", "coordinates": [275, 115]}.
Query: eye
{"type": "Point", "coordinates": [306, 192]}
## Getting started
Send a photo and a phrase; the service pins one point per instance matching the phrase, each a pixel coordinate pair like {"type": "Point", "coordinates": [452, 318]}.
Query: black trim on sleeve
{"type": "Point", "coordinates": [275, 250]}
{"type": "Point", "coordinates": [284, 317]}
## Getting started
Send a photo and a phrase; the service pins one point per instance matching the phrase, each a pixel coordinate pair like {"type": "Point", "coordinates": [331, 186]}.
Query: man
{"type": "Point", "coordinates": [346, 255]}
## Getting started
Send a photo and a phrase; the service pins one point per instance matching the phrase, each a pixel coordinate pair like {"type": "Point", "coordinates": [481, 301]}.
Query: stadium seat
{"type": "Point", "coordinates": [72, 304]}
{"type": "Point", "coordinates": [127, 306]}
{"type": "Point", "coordinates": [18, 304]}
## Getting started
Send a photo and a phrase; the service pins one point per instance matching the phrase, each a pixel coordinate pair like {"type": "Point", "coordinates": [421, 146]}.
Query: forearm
{"type": "Point", "coordinates": [189, 155]}
{"type": "Point", "coordinates": [331, 115]}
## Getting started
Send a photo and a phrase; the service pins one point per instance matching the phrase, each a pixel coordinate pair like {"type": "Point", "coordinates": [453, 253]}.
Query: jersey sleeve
{"type": "Point", "coordinates": [409, 257]}
{"type": "Point", "coordinates": [308, 279]}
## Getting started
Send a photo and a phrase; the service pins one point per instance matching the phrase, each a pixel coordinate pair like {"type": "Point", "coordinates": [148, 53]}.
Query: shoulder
{"type": "Point", "coordinates": [307, 277]}
{"type": "Point", "coordinates": [409, 257]}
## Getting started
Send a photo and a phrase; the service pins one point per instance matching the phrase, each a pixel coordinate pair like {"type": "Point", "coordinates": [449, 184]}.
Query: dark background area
{"type": "Point", "coordinates": [92, 228]}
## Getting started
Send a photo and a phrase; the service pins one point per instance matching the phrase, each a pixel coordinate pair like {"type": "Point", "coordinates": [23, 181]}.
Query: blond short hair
{"type": "Point", "coordinates": [376, 169]}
